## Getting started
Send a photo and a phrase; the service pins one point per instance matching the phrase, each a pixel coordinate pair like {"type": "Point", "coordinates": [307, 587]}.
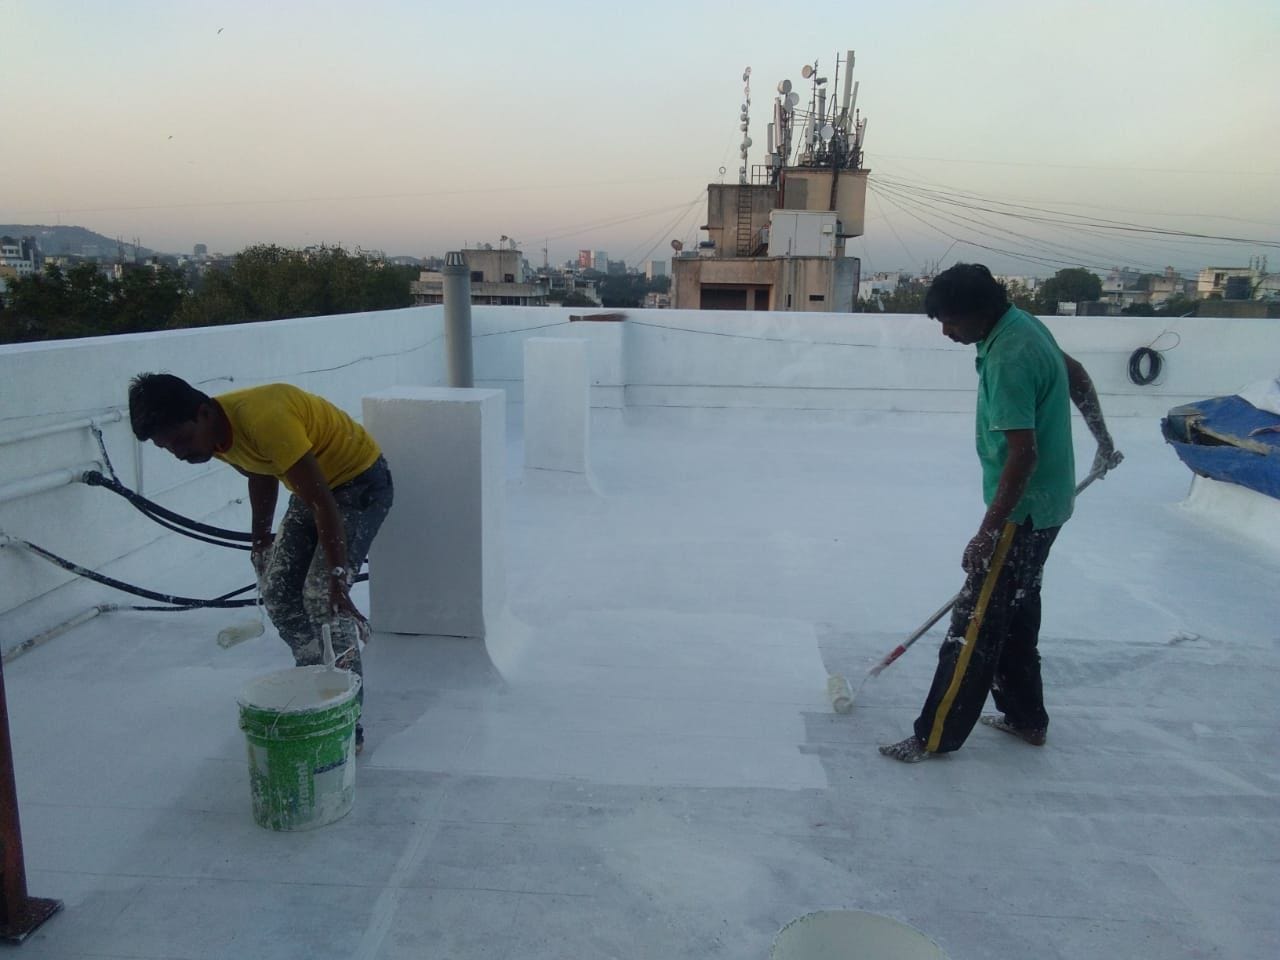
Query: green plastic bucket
{"type": "Point", "coordinates": [300, 726]}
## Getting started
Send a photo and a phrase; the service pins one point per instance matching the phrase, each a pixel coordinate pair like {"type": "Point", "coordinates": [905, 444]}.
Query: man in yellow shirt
{"type": "Point", "coordinates": [340, 488]}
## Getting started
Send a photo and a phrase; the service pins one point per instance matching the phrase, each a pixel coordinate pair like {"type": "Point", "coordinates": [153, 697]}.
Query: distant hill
{"type": "Point", "coordinates": [76, 241]}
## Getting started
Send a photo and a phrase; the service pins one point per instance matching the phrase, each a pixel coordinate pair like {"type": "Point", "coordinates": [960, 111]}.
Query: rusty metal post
{"type": "Point", "coordinates": [20, 914]}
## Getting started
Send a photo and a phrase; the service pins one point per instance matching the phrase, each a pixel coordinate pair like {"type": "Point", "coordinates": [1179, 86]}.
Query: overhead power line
{"type": "Point", "coordinates": [1046, 215]}
{"type": "Point", "coordinates": [1073, 166]}
{"type": "Point", "coordinates": [915, 181]}
{"type": "Point", "coordinates": [1048, 248]}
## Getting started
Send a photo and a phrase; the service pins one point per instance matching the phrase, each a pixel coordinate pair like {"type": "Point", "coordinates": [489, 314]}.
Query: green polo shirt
{"type": "Point", "coordinates": [1022, 385]}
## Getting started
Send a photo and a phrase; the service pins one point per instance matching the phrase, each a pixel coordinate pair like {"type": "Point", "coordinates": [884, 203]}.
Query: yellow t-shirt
{"type": "Point", "coordinates": [273, 426]}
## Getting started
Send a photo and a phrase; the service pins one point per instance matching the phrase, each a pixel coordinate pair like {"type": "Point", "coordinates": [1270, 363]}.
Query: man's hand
{"type": "Point", "coordinates": [340, 604]}
{"type": "Point", "coordinates": [977, 555]}
{"type": "Point", "coordinates": [1107, 458]}
{"type": "Point", "coordinates": [260, 553]}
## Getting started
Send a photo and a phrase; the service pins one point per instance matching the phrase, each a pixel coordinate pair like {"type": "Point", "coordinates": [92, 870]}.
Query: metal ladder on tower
{"type": "Point", "coordinates": [744, 221]}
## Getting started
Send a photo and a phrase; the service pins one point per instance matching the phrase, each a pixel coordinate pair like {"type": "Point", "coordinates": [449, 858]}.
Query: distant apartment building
{"type": "Point", "coordinates": [1161, 289]}
{"type": "Point", "coordinates": [200, 251]}
{"type": "Point", "coordinates": [600, 261]}
{"type": "Point", "coordinates": [20, 256]}
{"type": "Point", "coordinates": [1124, 287]}
{"type": "Point", "coordinates": [584, 259]}
{"type": "Point", "coordinates": [1228, 283]}
{"type": "Point", "coordinates": [498, 277]}
{"type": "Point", "coordinates": [878, 285]}
{"type": "Point", "coordinates": [655, 268]}
{"type": "Point", "coordinates": [561, 283]}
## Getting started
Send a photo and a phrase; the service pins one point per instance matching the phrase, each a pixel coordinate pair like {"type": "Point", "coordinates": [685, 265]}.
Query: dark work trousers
{"type": "Point", "coordinates": [991, 646]}
{"type": "Point", "coordinates": [295, 586]}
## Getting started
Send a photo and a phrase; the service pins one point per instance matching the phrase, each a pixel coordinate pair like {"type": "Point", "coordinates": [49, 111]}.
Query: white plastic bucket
{"type": "Point", "coordinates": [852, 935]}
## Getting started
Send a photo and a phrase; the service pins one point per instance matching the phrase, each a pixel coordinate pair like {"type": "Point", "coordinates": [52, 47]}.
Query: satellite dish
{"type": "Point", "coordinates": [792, 99]}
{"type": "Point", "coordinates": [746, 75]}
{"type": "Point", "coordinates": [806, 71]}
{"type": "Point", "coordinates": [784, 87]}
{"type": "Point", "coordinates": [677, 246]}
{"type": "Point", "coordinates": [827, 132]}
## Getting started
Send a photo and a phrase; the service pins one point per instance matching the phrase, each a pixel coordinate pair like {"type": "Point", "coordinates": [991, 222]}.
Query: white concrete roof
{"type": "Point", "coordinates": [642, 763]}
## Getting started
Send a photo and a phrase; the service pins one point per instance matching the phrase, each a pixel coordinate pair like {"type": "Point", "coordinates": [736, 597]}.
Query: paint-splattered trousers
{"type": "Point", "coordinates": [991, 645]}
{"type": "Point", "coordinates": [295, 585]}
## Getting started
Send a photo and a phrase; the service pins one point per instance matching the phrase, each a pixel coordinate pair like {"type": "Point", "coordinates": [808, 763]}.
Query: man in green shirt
{"type": "Point", "coordinates": [1025, 387]}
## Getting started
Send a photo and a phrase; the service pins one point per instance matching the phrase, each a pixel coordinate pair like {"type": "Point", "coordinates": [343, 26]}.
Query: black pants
{"type": "Point", "coordinates": [991, 645]}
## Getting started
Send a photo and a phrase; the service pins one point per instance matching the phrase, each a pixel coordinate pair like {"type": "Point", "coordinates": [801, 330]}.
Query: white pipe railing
{"type": "Point", "coordinates": [37, 432]}
{"type": "Point", "coordinates": [45, 481]}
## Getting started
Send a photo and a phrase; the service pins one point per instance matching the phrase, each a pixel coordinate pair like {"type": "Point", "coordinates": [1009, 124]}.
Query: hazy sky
{"type": "Point", "coordinates": [417, 127]}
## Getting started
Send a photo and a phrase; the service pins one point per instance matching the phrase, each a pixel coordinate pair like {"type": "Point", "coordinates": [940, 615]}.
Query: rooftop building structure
{"type": "Point", "coordinates": [776, 238]}
{"type": "Point", "coordinates": [498, 277]}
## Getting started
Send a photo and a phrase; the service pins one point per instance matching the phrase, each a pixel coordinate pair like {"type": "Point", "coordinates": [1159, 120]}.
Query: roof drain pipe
{"type": "Point", "coordinates": [457, 318]}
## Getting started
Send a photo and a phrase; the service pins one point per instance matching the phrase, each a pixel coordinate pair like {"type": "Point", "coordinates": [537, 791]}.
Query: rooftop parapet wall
{"type": "Point", "coordinates": [862, 361]}
{"type": "Point", "coordinates": [653, 358]}
{"type": "Point", "coordinates": [45, 384]}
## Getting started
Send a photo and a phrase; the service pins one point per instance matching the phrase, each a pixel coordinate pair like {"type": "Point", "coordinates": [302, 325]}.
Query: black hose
{"type": "Point", "coordinates": [1154, 362]}
{"type": "Point", "coordinates": [194, 536]}
{"type": "Point", "coordinates": [95, 479]}
{"type": "Point", "coordinates": [178, 603]}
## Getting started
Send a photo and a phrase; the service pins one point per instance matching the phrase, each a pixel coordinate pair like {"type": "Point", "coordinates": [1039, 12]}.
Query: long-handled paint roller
{"type": "Point", "coordinates": [838, 690]}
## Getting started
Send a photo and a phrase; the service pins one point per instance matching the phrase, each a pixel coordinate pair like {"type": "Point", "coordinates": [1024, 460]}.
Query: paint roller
{"type": "Point", "coordinates": [238, 633]}
{"type": "Point", "coordinates": [842, 695]}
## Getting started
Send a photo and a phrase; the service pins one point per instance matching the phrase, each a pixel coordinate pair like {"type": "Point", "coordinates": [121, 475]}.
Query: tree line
{"type": "Point", "coordinates": [263, 282]}
{"type": "Point", "coordinates": [1072, 285]}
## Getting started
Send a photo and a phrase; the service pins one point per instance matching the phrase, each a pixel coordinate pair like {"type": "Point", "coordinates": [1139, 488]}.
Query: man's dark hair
{"type": "Point", "coordinates": [966, 290]}
{"type": "Point", "coordinates": [158, 401]}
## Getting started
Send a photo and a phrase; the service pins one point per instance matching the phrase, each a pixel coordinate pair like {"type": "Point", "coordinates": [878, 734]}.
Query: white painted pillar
{"type": "Point", "coordinates": [436, 566]}
{"type": "Point", "coordinates": [557, 404]}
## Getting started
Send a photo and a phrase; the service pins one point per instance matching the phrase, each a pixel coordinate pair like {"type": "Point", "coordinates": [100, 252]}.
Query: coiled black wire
{"type": "Point", "coordinates": [1154, 362]}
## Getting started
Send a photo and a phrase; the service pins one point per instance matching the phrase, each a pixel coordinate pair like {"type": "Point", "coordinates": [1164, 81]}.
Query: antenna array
{"type": "Point", "coordinates": [828, 134]}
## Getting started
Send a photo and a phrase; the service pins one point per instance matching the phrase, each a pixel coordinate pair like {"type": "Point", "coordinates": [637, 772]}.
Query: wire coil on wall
{"type": "Point", "coordinates": [1154, 363]}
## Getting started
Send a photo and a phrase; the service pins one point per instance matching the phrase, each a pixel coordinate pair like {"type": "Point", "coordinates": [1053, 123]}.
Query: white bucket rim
{"type": "Point", "coordinates": [294, 675]}
{"type": "Point", "coordinates": [912, 937]}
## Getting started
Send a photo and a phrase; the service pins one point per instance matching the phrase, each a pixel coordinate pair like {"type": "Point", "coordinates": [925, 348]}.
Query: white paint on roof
{"type": "Point", "coordinates": [641, 761]}
{"type": "Point", "coordinates": [646, 765]}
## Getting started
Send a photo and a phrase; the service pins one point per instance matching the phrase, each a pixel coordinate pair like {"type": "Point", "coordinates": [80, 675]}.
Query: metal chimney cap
{"type": "Point", "coordinates": [454, 258]}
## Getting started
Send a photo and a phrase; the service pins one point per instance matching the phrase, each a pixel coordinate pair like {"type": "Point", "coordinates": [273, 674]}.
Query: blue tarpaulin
{"type": "Point", "coordinates": [1228, 438]}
